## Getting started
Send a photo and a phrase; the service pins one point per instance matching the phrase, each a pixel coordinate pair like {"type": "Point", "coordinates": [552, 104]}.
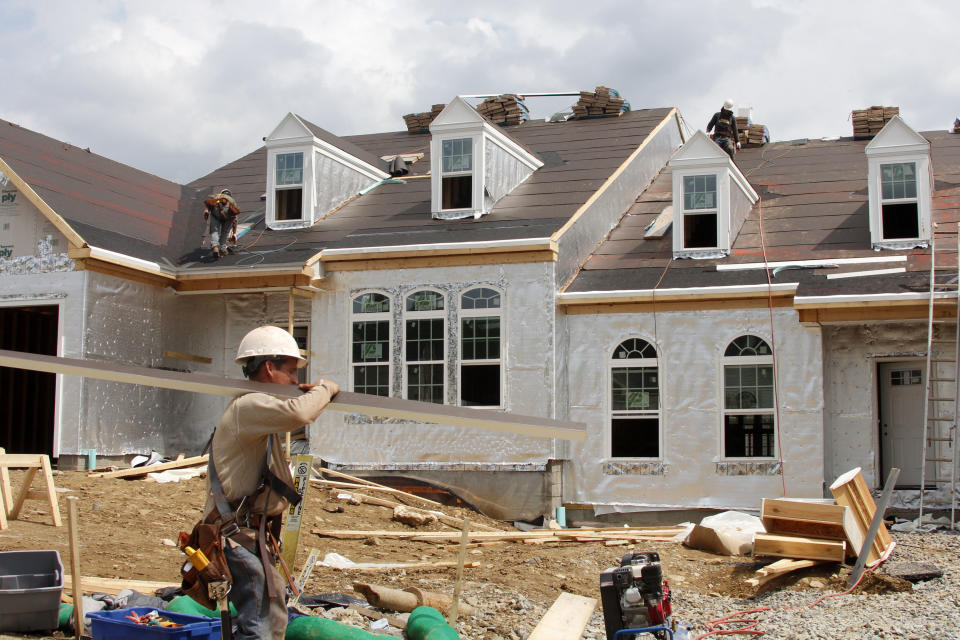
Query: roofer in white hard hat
{"type": "Point", "coordinates": [724, 127]}
{"type": "Point", "coordinates": [250, 482]}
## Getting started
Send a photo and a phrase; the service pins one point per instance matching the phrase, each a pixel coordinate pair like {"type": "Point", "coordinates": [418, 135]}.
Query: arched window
{"type": "Point", "coordinates": [634, 400]}
{"type": "Point", "coordinates": [748, 399]}
{"type": "Point", "coordinates": [370, 344]}
{"type": "Point", "coordinates": [425, 339]}
{"type": "Point", "coordinates": [480, 353]}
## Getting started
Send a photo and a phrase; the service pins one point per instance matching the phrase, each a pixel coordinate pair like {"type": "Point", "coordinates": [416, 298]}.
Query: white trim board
{"type": "Point", "coordinates": [860, 274]}
{"type": "Point", "coordinates": [819, 301]}
{"type": "Point", "coordinates": [521, 243]}
{"type": "Point", "coordinates": [662, 294]}
{"type": "Point", "coordinates": [809, 263]}
{"type": "Point", "coordinates": [344, 401]}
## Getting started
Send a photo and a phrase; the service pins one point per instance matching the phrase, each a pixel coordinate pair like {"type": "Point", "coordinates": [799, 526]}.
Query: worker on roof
{"type": "Point", "coordinates": [724, 127]}
{"type": "Point", "coordinates": [249, 482]}
{"type": "Point", "coordinates": [221, 212]}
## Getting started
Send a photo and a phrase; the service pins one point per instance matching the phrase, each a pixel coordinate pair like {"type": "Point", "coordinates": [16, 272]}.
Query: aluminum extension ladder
{"type": "Point", "coordinates": [942, 388]}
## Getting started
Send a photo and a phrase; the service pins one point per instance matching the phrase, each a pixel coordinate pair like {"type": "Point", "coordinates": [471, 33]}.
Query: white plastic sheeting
{"type": "Point", "coordinates": [690, 472]}
{"type": "Point", "coordinates": [336, 183]}
{"type": "Point", "coordinates": [527, 333]}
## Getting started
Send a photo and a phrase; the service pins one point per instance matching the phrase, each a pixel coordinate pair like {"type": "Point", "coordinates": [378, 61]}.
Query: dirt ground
{"type": "Point", "coordinates": [127, 528]}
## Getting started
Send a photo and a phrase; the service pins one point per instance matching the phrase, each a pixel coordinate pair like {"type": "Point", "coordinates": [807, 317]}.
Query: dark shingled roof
{"type": "Point", "coordinates": [111, 205]}
{"type": "Point", "coordinates": [813, 206]}
{"type": "Point", "coordinates": [578, 157]}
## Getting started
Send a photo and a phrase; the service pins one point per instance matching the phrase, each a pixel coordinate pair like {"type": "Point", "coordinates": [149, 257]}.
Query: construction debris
{"type": "Point", "coordinates": [777, 569]}
{"type": "Point", "coordinates": [730, 533]}
{"type": "Point", "coordinates": [506, 109]}
{"type": "Point", "coordinates": [868, 122]}
{"type": "Point", "coordinates": [850, 490]}
{"type": "Point", "coordinates": [408, 599]}
{"type": "Point", "coordinates": [413, 517]}
{"type": "Point", "coordinates": [566, 619]}
{"type": "Point", "coordinates": [601, 102]}
{"type": "Point", "coordinates": [420, 122]}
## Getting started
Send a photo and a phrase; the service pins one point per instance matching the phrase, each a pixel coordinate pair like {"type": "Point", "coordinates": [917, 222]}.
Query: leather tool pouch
{"type": "Point", "coordinates": [207, 538]}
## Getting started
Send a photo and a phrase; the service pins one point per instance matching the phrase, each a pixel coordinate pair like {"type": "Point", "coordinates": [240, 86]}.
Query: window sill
{"type": "Point", "coordinates": [634, 468]}
{"type": "Point", "coordinates": [749, 468]}
{"type": "Point", "coordinates": [901, 245]}
{"type": "Point", "coordinates": [700, 254]}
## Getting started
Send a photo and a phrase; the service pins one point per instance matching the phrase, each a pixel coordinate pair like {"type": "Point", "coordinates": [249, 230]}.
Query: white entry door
{"type": "Point", "coordinates": [901, 421]}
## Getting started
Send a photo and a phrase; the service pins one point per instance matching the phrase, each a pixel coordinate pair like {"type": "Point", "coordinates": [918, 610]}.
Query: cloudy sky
{"type": "Point", "coordinates": [181, 87]}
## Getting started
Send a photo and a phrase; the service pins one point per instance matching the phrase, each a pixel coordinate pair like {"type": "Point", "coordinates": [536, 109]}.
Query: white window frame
{"type": "Point", "coordinates": [722, 212]}
{"type": "Point", "coordinates": [894, 201]}
{"type": "Point", "coordinates": [379, 316]}
{"type": "Point", "coordinates": [461, 363]}
{"type": "Point", "coordinates": [716, 211]}
{"type": "Point", "coordinates": [726, 361]}
{"type": "Point", "coordinates": [306, 195]}
{"type": "Point", "coordinates": [477, 171]}
{"type": "Point", "coordinates": [440, 314]}
{"type": "Point", "coordinates": [632, 363]}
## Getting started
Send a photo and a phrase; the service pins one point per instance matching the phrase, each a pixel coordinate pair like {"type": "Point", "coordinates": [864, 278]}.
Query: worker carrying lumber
{"type": "Point", "coordinates": [249, 482]}
{"type": "Point", "coordinates": [724, 127]}
{"type": "Point", "coordinates": [221, 212]}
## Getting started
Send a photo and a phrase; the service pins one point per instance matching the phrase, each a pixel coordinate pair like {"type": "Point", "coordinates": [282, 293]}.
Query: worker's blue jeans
{"type": "Point", "coordinates": [258, 617]}
{"type": "Point", "coordinates": [219, 232]}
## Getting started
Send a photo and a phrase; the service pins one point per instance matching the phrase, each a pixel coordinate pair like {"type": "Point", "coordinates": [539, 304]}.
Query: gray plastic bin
{"type": "Point", "coordinates": [30, 586]}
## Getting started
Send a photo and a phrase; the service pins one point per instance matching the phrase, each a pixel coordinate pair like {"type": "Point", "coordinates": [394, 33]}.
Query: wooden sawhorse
{"type": "Point", "coordinates": [32, 462]}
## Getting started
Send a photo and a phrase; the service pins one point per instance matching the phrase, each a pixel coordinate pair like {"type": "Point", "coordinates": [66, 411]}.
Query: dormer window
{"type": "Point", "coordinates": [700, 212]}
{"type": "Point", "coordinates": [898, 201]}
{"type": "Point", "coordinates": [711, 199]}
{"type": "Point", "coordinates": [289, 186]}
{"type": "Point", "coordinates": [311, 172]}
{"type": "Point", "coordinates": [457, 181]}
{"type": "Point", "coordinates": [473, 163]}
{"type": "Point", "coordinates": [899, 183]}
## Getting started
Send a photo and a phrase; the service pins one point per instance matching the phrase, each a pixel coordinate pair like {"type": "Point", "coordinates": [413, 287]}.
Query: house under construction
{"type": "Point", "coordinates": [725, 329]}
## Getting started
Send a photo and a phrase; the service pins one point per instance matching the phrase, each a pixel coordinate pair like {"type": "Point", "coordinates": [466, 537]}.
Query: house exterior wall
{"type": "Point", "coordinates": [527, 334]}
{"type": "Point", "coordinates": [691, 473]}
{"type": "Point", "coordinates": [851, 413]}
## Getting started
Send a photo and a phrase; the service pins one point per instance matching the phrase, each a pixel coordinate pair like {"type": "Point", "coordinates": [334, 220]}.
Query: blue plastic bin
{"type": "Point", "coordinates": [113, 625]}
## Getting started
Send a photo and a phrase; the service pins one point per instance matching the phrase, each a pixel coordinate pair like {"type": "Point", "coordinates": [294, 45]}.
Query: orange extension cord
{"type": "Point", "coordinates": [750, 624]}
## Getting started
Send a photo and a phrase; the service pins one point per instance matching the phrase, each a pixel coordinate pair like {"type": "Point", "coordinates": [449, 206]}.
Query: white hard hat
{"type": "Point", "coordinates": [269, 341]}
{"type": "Point", "coordinates": [728, 104]}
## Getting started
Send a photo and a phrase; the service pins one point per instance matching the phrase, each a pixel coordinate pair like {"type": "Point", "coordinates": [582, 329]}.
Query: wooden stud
{"type": "Point", "coordinates": [769, 544]}
{"type": "Point", "coordinates": [51, 491]}
{"type": "Point", "coordinates": [566, 619]}
{"type": "Point", "coordinates": [458, 582]}
{"type": "Point", "coordinates": [74, 520]}
{"type": "Point", "coordinates": [94, 584]}
{"type": "Point", "coordinates": [369, 483]}
{"type": "Point", "coordinates": [133, 472]}
{"type": "Point", "coordinates": [5, 488]}
{"type": "Point", "coordinates": [344, 401]}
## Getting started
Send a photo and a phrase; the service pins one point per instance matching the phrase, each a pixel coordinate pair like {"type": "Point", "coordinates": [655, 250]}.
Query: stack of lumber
{"type": "Point", "coordinates": [506, 109]}
{"type": "Point", "coordinates": [603, 101]}
{"type": "Point", "coordinates": [868, 122]}
{"type": "Point", "coordinates": [612, 536]}
{"type": "Point", "coordinates": [819, 530]}
{"type": "Point", "coordinates": [420, 122]}
{"type": "Point", "coordinates": [756, 135]}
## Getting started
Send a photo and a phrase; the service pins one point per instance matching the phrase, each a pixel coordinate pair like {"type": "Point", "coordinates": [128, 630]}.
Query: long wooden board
{"type": "Point", "coordinates": [613, 533]}
{"type": "Point", "coordinates": [344, 401]}
{"type": "Point", "coordinates": [566, 619]}
{"type": "Point", "coordinates": [93, 584]}
{"type": "Point", "coordinates": [770, 544]}
{"type": "Point", "coordinates": [851, 490]}
{"type": "Point", "coordinates": [812, 519]}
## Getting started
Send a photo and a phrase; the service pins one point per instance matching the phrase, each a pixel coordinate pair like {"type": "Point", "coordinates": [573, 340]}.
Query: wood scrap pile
{"type": "Point", "coordinates": [603, 101]}
{"type": "Point", "coordinates": [420, 122]}
{"type": "Point", "coordinates": [868, 122]}
{"type": "Point", "coordinates": [506, 109]}
{"type": "Point", "coordinates": [819, 530]}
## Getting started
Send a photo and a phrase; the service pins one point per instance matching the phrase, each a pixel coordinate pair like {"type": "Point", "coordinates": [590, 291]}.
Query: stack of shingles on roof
{"type": "Point", "coordinates": [868, 122]}
{"type": "Point", "coordinates": [956, 125]}
{"type": "Point", "coordinates": [505, 109]}
{"type": "Point", "coordinates": [603, 101]}
{"type": "Point", "coordinates": [750, 134]}
{"type": "Point", "coordinates": [420, 122]}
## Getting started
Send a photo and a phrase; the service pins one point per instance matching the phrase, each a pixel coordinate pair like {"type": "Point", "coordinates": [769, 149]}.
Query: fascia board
{"type": "Point", "coordinates": [911, 151]}
{"type": "Point", "coordinates": [289, 268]}
{"type": "Point", "coordinates": [525, 244]}
{"type": "Point", "coordinates": [867, 299]}
{"type": "Point", "coordinates": [510, 145]}
{"type": "Point", "coordinates": [641, 295]}
{"type": "Point", "coordinates": [129, 261]}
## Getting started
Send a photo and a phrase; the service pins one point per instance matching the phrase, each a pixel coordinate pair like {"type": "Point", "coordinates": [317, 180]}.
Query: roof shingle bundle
{"type": "Point", "coordinates": [420, 122]}
{"type": "Point", "coordinates": [868, 122]}
{"type": "Point", "coordinates": [506, 109]}
{"type": "Point", "coordinates": [751, 135]}
{"type": "Point", "coordinates": [603, 101]}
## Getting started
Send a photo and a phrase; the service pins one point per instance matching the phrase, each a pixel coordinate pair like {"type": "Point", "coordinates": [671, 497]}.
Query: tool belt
{"type": "Point", "coordinates": [236, 522]}
{"type": "Point", "coordinates": [194, 582]}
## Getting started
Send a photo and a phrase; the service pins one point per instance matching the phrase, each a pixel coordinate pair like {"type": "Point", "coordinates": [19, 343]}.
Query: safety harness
{"type": "Point", "coordinates": [228, 515]}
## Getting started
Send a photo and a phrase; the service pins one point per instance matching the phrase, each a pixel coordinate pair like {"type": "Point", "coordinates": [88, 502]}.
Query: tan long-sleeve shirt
{"type": "Point", "coordinates": [240, 443]}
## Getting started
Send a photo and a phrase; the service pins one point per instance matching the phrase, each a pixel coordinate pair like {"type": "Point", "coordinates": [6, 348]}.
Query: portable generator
{"type": "Point", "coordinates": [636, 599]}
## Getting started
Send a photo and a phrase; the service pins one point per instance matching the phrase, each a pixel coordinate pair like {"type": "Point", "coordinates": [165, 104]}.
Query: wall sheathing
{"type": "Point", "coordinates": [527, 335]}
{"type": "Point", "coordinates": [851, 410]}
{"type": "Point", "coordinates": [603, 213]}
{"type": "Point", "coordinates": [336, 183]}
{"type": "Point", "coordinates": [691, 473]}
